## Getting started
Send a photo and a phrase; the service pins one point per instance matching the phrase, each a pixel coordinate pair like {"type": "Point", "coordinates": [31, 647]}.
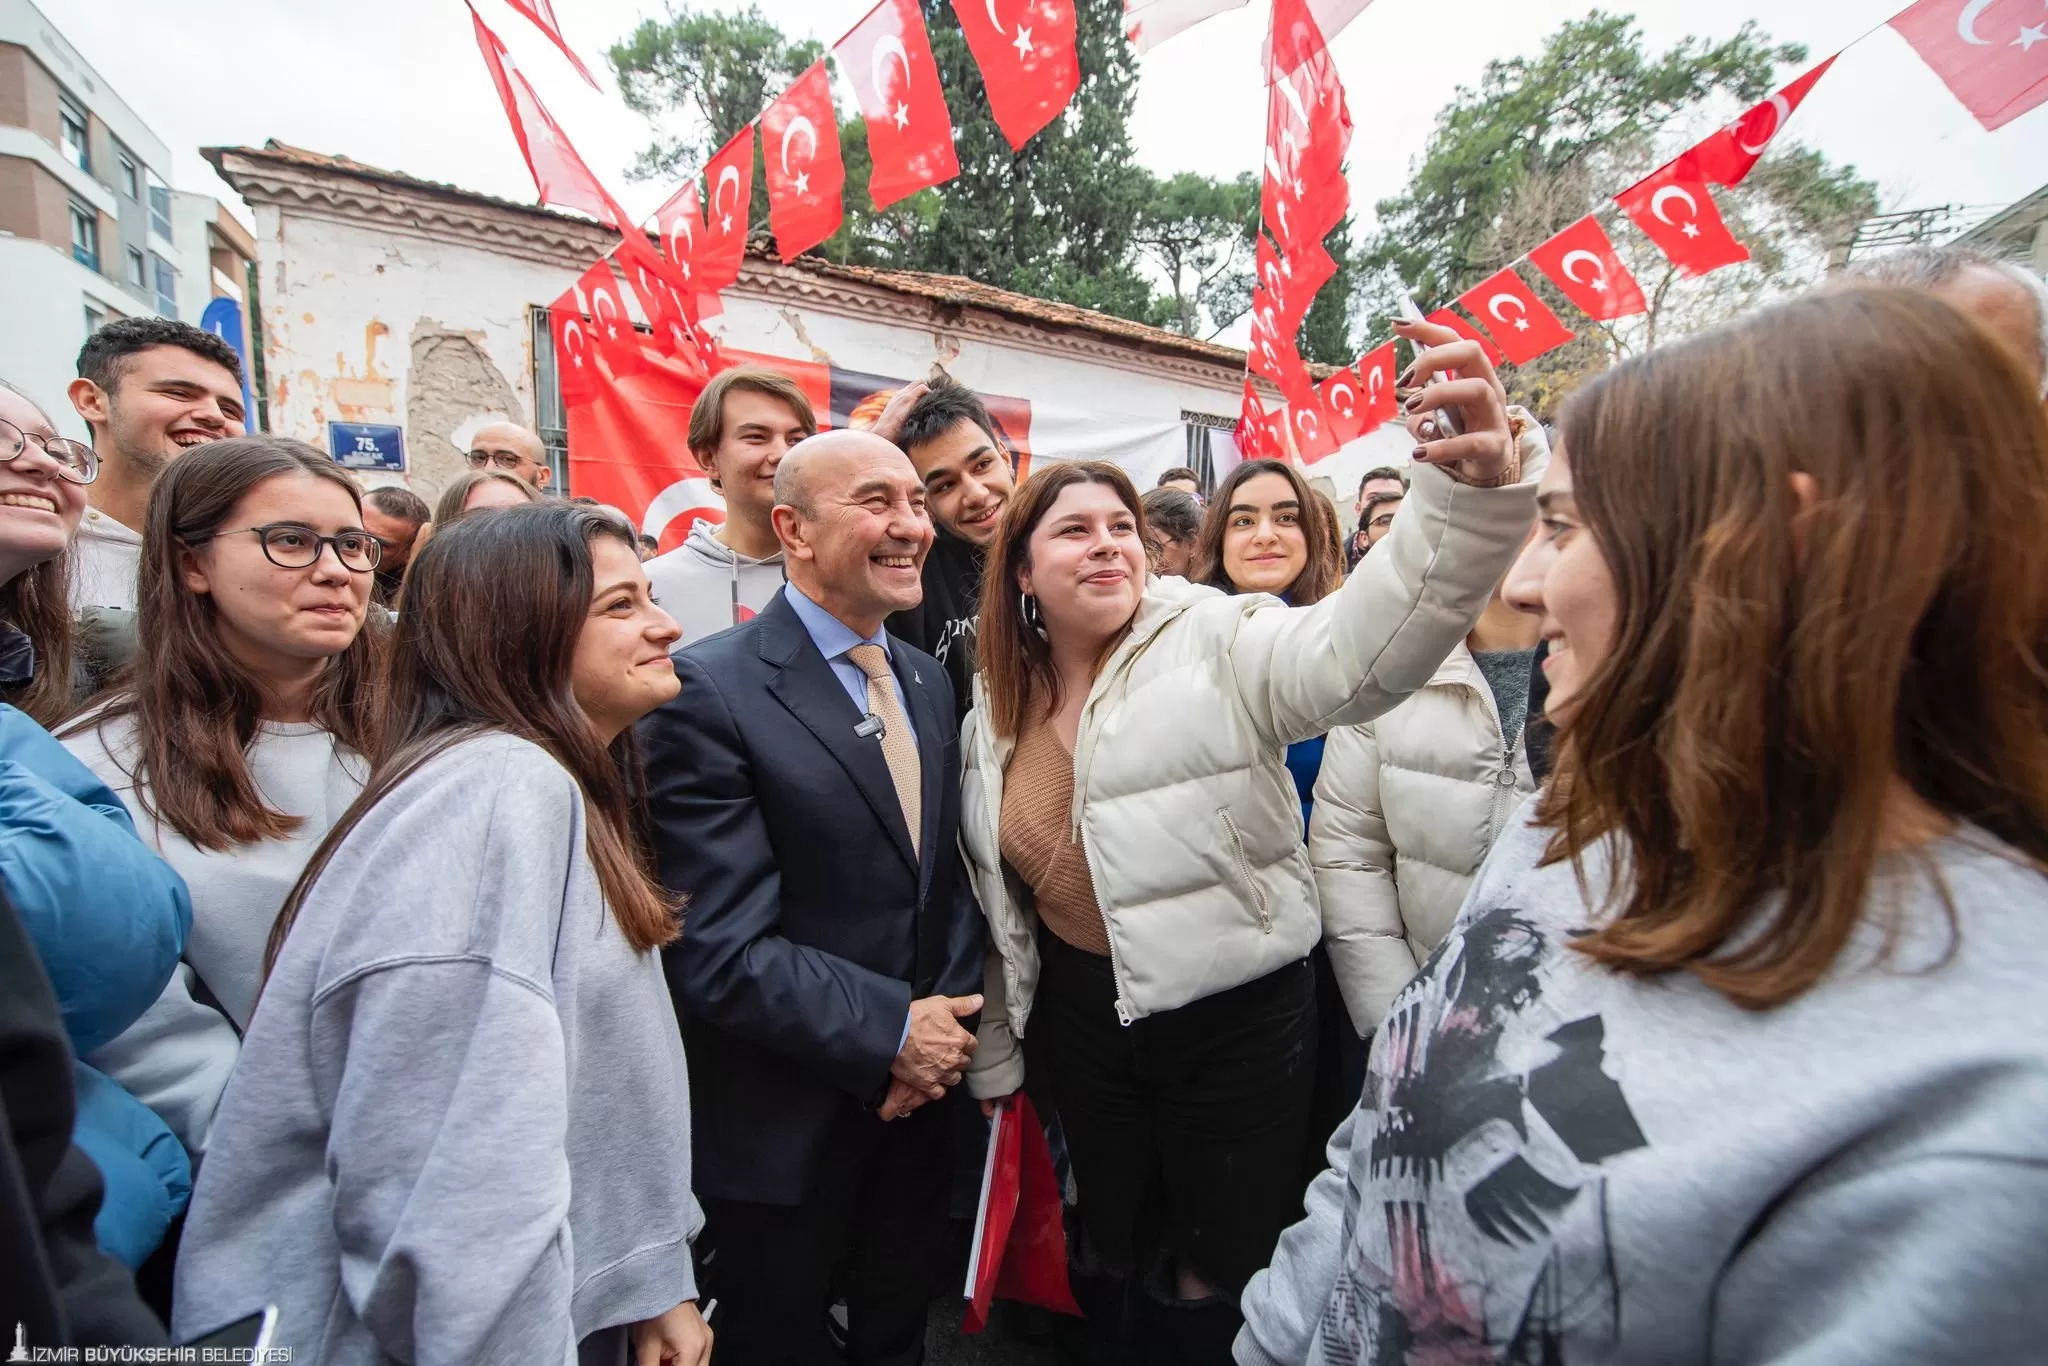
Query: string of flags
{"type": "Point", "coordinates": [1027, 54]}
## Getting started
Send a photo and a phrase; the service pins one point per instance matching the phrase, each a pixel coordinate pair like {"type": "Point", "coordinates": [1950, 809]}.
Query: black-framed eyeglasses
{"type": "Point", "coordinates": [502, 460]}
{"type": "Point", "coordinates": [289, 545]}
{"type": "Point", "coordinates": [76, 461]}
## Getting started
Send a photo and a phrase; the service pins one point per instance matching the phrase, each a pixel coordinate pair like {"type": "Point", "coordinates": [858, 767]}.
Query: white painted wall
{"type": "Point", "coordinates": [341, 301]}
{"type": "Point", "coordinates": [46, 293]}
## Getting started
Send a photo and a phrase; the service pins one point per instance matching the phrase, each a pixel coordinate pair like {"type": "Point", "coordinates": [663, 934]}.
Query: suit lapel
{"type": "Point", "coordinates": [805, 683]}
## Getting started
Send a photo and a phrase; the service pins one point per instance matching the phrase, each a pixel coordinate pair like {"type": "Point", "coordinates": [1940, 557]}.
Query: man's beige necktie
{"type": "Point", "coordinates": [898, 746]}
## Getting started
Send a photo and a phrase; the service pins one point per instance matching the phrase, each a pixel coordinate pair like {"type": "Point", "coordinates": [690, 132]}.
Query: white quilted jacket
{"type": "Point", "coordinates": [1406, 809]}
{"type": "Point", "coordinates": [1182, 798]}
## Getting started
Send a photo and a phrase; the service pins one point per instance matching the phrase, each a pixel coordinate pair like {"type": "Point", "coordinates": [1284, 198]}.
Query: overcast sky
{"type": "Point", "coordinates": [399, 84]}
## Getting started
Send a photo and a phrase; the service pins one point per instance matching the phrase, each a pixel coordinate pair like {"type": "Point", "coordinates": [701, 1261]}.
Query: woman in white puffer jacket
{"type": "Point", "coordinates": [1135, 838]}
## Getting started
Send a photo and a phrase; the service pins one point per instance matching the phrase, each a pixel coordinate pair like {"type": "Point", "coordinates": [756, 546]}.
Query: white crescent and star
{"type": "Point", "coordinates": [1350, 406]}
{"type": "Point", "coordinates": [1599, 281]}
{"type": "Point", "coordinates": [1690, 228]}
{"type": "Point", "coordinates": [729, 173]}
{"type": "Point", "coordinates": [1966, 22]}
{"type": "Point", "coordinates": [1521, 320]}
{"type": "Point", "coordinates": [1781, 107]}
{"type": "Point", "coordinates": [598, 299]}
{"type": "Point", "coordinates": [887, 46]}
{"type": "Point", "coordinates": [1306, 422]}
{"type": "Point", "coordinates": [800, 124]}
{"type": "Point", "coordinates": [574, 342]}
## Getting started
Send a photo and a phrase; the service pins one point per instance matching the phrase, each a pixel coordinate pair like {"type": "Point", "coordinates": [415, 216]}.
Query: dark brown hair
{"type": "Point", "coordinates": [449, 509]}
{"type": "Point", "coordinates": [1773, 665]}
{"type": "Point", "coordinates": [1015, 661]}
{"type": "Point", "coordinates": [1321, 572]}
{"type": "Point", "coordinates": [707, 417]}
{"type": "Point", "coordinates": [195, 708]}
{"type": "Point", "coordinates": [487, 644]}
{"type": "Point", "coordinates": [36, 603]}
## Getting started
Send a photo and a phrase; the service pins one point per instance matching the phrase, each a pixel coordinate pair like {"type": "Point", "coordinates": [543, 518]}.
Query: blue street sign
{"type": "Point", "coordinates": [367, 446]}
{"type": "Point", "coordinates": [223, 318]}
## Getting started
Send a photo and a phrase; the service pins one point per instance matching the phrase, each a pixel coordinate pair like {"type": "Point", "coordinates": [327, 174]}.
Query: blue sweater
{"type": "Point", "coordinates": [109, 919]}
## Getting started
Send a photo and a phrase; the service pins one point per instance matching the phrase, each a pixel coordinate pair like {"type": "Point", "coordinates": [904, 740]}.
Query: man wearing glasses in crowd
{"type": "Point", "coordinates": [512, 448]}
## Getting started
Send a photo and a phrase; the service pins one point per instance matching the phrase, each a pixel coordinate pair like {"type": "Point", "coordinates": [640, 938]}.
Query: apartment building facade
{"type": "Point", "coordinates": [90, 228]}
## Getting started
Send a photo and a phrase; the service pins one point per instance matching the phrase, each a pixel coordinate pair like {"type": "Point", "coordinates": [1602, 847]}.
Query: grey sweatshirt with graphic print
{"type": "Point", "coordinates": [1556, 1163]}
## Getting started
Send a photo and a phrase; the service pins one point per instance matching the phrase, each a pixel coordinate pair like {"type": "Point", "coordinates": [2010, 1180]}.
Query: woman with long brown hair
{"type": "Point", "coordinates": [1739, 1048]}
{"type": "Point", "coordinates": [239, 733]}
{"type": "Point", "coordinates": [1136, 840]}
{"type": "Point", "coordinates": [35, 619]}
{"type": "Point", "coordinates": [460, 1129]}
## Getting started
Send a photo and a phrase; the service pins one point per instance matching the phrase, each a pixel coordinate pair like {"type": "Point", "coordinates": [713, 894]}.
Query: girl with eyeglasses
{"type": "Point", "coordinates": [42, 486]}
{"type": "Point", "coordinates": [240, 732]}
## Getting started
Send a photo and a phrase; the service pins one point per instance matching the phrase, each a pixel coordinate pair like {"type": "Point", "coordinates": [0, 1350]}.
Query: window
{"type": "Point", "coordinates": [85, 236]}
{"type": "Point", "coordinates": [74, 135]}
{"type": "Point", "coordinates": [159, 208]}
{"type": "Point", "coordinates": [166, 287]}
{"type": "Point", "coordinates": [137, 275]}
{"type": "Point", "coordinates": [131, 179]}
{"type": "Point", "coordinates": [94, 320]}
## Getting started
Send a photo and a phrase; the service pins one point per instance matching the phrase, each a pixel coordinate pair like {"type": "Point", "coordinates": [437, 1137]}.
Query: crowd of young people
{"type": "Point", "coordinates": [591, 959]}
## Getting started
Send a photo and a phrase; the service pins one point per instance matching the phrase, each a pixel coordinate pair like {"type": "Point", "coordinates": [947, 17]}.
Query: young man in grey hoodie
{"type": "Point", "coordinates": [722, 575]}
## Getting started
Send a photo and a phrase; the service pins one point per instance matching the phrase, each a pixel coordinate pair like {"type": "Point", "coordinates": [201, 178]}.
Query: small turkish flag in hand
{"type": "Point", "coordinates": [888, 57]}
{"type": "Point", "coordinates": [1028, 59]}
{"type": "Point", "coordinates": [1992, 54]}
{"type": "Point", "coordinates": [1376, 388]}
{"type": "Point", "coordinates": [800, 139]}
{"type": "Point", "coordinates": [617, 339]}
{"type": "Point", "coordinates": [1522, 323]}
{"type": "Point", "coordinates": [729, 179]}
{"type": "Point", "coordinates": [1582, 262]}
{"type": "Point", "coordinates": [1681, 218]}
{"type": "Point", "coordinates": [1729, 155]}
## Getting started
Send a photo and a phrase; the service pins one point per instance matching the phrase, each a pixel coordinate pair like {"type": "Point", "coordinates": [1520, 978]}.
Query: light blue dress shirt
{"type": "Point", "coordinates": [834, 638]}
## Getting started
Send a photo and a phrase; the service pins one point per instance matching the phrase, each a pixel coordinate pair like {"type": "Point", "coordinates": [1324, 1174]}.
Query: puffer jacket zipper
{"type": "Point", "coordinates": [1260, 906]}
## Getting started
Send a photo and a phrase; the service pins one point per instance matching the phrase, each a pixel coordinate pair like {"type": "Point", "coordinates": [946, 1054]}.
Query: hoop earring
{"type": "Point", "coordinates": [1034, 620]}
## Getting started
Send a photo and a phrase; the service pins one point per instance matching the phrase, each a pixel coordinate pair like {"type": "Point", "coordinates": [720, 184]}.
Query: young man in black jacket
{"type": "Point", "coordinates": [968, 479]}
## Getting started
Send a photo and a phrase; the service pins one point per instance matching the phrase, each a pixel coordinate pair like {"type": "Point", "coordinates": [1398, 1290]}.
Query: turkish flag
{"type": "Point", "coordinates": [1310, 425]}
{"type": "Point", "coordinates": [1729, 155]}
{"type": "Point", "coordinates": [1343, 407]}
{"type": "Point", "coordinates": [729, 180]}
{"type": "Point", "coordinates": [800, 139]}
{"type": "Point", "coordinates": [662, 300]}
{"type": "Point", "coordinates": [1582, 262]}
{"type": "Point", "coordinates": [1520, 322]}
{"type": "Point", "coordinates": [888, 57]}
{"type": "Point", "coordinates": [558, 172]}
{"type": "Point", "coordinates": [1028, 59]}
{"type": "Point", "coordinates": [1376, 387]}
{"type": "Point", "coordinates": [1250, 433]}
{"type": "Point", "coordinates": [1992, 54]}
{"type": "Point", "coordinates": [543, 16]}
{"type": "Point", "coordinates": [1273, 352]}
{"type": "Point", "coordinates": [1681, 218]}
{"type": "Point", "coordinates": [1304, 192]}
{"type": "Point", "coordinates": [575, 360]}
{"type": "Point", "coordinates": [1443, 317]}
{"type": "Point", "coordinates": [618, 341]}
{"type": "Point", "coordinates": [679, 223]}
{"type": "Point", "coordinates": [1293, 281]}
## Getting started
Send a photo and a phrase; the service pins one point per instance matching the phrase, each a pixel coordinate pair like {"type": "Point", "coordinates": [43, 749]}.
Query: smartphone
{"type": "Point", "coordinates": [253, 1334]}
{"type": "Point", "coordinates": [1444, 423]}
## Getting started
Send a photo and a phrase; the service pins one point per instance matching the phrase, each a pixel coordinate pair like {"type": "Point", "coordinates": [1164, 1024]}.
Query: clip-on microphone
{"type": "Point", "coordinates": [870, 727]}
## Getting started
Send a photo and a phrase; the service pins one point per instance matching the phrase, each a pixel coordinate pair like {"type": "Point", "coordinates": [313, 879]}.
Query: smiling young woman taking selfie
{"type": "Point", "coordinates": [460, 1129]}
{"type": "Point", "coordinates": [1136, 839]}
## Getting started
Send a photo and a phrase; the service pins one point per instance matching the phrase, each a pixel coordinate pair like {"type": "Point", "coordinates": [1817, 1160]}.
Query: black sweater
{"type": "Point", "coordinates": [943, 625]}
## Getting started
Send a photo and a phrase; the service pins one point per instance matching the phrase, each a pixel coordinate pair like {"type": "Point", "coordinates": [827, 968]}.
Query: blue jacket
{"type": "Point", "coordinates": [109, 919]}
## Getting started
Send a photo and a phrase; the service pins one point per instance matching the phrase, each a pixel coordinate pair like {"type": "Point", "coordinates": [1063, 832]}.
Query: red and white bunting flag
{"type": "Point", "coordinates": [1311, 428]}
{"type": "Point", "coordinates": [1444, 317]}
{"type": "Point", "coordinates": [543, 16]}
{"type": "Point", "coordinates": [610, 325]}
{"type": "Point", "coordinates": [888, 57]}
{"type": "Point", "coordinates": [1250, 433]}
{"type": "Point", "coordinates": [1681, 218]}
{"type": "Point", "coordinates": [1293, 281]}
{"type": "Point", "coordinates": [1992, 54]}
{"type": "Point", "coordinates": [1343, 406]}
{"type": "Point", "coordinates": [1376, 373]}
{"type": "Point", "coordinates": [663, 300]}
{"type": "Point", "coordinates": [558, 172]}
{"type": "Point", "coordinates": [1029, 60]}
{"type": "Point", "coordinates": [729, 180]}
{"type": "Point", "coordinates": [1521, 323]}
{"type": "Point", "coordinates": [1273, 352]}
{"type": "Point", "coordinates": [1729, 155]}
{"type": "Point", "coordinates": [806, 178]}
{"type": "Point", "coordinates": [575, 357]}
{"type": "Point", "coordinates": [679, 223]}
{"type": "Point", "coordinates": [1582, 262]}
{"type": "Point", "coordinates": [1304, 192]}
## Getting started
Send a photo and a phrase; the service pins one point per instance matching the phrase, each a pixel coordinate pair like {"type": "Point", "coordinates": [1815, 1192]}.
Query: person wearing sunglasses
{"type": "Point", "coordinates": [512, 448]}
{"type": "Point", "coordinates": [242, 733]}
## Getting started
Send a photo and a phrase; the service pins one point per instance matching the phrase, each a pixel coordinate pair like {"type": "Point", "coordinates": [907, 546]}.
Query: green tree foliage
{"type": "Point", "coordinates": [1543, 141]}
{"type": "Point", "coordinates": [1199, 233]}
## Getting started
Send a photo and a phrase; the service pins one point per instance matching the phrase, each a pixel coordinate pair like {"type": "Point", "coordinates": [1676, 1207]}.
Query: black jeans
{"type": "Point", "coordinates": [1186, 1127]}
